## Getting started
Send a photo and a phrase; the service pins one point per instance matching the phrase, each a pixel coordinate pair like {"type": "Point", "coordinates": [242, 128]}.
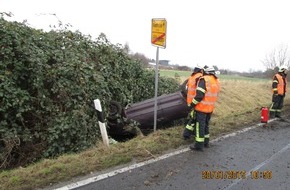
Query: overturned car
{"type": "Point", "coordinates": [139, 116]}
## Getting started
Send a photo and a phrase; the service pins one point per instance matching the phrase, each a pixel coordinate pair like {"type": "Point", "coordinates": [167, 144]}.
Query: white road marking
{"type": "Point", "coordinates": [122, 170]}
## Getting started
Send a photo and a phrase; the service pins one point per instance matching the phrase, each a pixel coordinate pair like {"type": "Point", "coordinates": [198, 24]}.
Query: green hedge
{"type": "Point", "coordinates": [48, 81]}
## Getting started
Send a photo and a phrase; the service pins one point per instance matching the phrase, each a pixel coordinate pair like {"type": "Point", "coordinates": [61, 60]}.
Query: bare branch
{"type": "Point", "coordinates": [279, 56]}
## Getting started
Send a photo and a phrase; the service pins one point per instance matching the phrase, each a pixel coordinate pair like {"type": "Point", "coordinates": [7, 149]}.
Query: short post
{"type": "Point", "coordinates": [101, 122]}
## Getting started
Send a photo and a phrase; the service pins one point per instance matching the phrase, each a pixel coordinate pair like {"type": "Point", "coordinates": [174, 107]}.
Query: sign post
{"type": "Point", "coordinates": [158, 39]}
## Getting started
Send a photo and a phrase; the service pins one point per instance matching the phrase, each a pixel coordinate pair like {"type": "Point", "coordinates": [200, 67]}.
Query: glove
{"type": "Point", "coordinates": [188, 107]}
{"type": "Point", "coordinates": [191, 106]}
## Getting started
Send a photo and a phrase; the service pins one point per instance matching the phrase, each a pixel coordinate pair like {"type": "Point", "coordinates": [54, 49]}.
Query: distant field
{"type": "Point", "coordinates": [171, 73]}
{"type": "Point", "coordinates": [185, 74]}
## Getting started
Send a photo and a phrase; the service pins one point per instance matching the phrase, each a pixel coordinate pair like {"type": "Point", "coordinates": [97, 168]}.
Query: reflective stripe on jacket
{"type": "Point", "coordinates": [212, 88]}
{"type": "Point", "coordinates": [282, 84]}
{"type": "Point", "coordinates": [191, 87]}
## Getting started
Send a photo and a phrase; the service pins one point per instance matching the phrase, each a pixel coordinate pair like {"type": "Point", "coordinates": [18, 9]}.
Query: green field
{"type": "Point", "coordinates": [185, 74]}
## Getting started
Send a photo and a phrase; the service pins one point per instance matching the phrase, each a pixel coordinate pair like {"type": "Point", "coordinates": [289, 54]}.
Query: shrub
{"type": "Point", "coordinates": [48, 81]}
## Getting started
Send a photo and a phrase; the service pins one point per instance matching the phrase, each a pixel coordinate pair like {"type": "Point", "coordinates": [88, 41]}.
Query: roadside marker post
{"type": "Point", "coordinates": [101, 120]}
{"type": "Point", "coordinates": [158, 39]}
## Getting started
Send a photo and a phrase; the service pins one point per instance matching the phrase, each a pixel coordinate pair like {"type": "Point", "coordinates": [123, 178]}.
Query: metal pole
{"type": "Point", "coordinates": [156, 89]}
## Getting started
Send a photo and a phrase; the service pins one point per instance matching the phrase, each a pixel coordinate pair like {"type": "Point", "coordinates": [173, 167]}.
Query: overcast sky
{"type": "Point", "coordinates": [231, 34]}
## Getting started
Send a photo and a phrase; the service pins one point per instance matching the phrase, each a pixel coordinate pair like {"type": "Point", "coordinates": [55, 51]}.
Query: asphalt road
{"type": "Point", "coordinates": [257, 158]}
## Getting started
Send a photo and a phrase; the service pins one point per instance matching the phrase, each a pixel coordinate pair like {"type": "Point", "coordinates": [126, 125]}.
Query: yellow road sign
{"type": "Point", "coordinates": [158, 34]}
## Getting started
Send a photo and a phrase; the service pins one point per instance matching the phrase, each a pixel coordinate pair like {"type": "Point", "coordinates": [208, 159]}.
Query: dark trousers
{"type": "Point", "coordinates": [277, 105]}
{"type": "Point", "coordinates": [202, 128]}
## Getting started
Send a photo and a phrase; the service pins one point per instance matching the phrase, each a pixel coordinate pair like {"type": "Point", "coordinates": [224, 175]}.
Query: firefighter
{"type": "Point", "coordinates": [191, 89]}
{"type": "Point", "coordinates": [203, 103]}
{"type": "Point", "coordinates": [279, 88]}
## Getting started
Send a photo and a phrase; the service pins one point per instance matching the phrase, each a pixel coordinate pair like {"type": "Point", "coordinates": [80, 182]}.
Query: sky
{"type": "Point", "coordinates": [230, 34]}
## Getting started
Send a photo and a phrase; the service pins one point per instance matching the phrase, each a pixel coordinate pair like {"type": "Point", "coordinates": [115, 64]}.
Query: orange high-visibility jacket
{"type": "Point", "coordinates": [191, 87]}
{"type": "Point", "coordinates": [282, 84]}
{"type": "Point", "coordinates": [212, 88]}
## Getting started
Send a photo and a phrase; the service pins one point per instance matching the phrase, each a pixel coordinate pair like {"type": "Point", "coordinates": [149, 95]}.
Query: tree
{"type": "Point", "coordinates": [279, 56]}
{"type": "Point", "coordinates": [215, 67]}
{"type": "Point", "coordinates": [127, 48]}
{"type": "Point", "coordinates": [141, 57]}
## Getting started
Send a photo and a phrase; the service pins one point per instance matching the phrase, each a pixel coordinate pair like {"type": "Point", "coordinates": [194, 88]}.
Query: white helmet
{"type": "Point", "coordinates": [283, 69]}
{"type": "Point", "coordinates": [209, 70]}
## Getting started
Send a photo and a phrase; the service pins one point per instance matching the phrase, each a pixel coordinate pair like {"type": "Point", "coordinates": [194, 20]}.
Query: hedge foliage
{"type": "Point", "coordinates": [48, 81]}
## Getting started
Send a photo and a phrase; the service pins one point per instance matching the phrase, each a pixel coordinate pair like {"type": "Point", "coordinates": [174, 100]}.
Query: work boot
{"type": "Point", "coordinates": [206, 142]}
{"type": "Point", "coordinates": [271, 115]}
{"type": "Point", "coordinates": [198, 146]}
{"type": "Point", "coordinates": [281, 119]}
{"type": "Point", "coordinates": [187, 134]}
{"type": "Point", "coordinates": [278, 116]}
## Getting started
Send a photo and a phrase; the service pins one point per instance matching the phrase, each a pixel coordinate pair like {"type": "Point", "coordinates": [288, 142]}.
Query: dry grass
{"type": "Point", "coordinates": [238, 107]}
